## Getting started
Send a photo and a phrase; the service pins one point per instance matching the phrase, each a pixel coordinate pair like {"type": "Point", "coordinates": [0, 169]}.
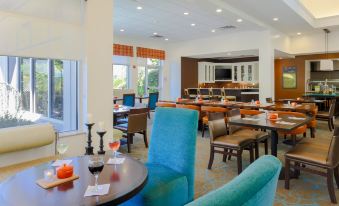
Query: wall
{"type": "Point", "coordinates": [189, 73]}
{"type": "Point", "coordinates": [299, 62]}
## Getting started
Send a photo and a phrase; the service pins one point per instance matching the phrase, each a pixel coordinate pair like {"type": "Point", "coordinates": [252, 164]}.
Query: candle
{"type": "Point", "coordinates": [49, 174]}
{"type": "Point", "coordinates": [89, 118]}
{"type": "Point", "coordinates": [101, 126]}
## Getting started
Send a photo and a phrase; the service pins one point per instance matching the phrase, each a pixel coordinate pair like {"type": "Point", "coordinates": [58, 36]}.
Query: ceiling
{"type": "Point", "coordinates": [166, 17]}
{"type": "Point", "coordinates": [321, 8]}
{"type": "Point", "coordinates": [229, 55]}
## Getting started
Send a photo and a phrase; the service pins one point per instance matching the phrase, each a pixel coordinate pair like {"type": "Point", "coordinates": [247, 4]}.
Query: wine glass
{"type": "Point", "coordinates": [114, 144]}
{"type": "Point", "coordinates": [62, 148]}
{"type": "Point", "coordinates": [95, 166]}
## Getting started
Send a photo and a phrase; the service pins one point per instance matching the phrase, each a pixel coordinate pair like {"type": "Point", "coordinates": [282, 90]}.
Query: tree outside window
{"type": "Point", "coordinates": [120, 76]}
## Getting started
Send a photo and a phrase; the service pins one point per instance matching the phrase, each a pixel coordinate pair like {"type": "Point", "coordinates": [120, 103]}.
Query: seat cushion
{"type": "Point", "coordinates": [164, 187]}
{"type": "Point", "coordinates": [253, 134]}
{"type": "Point", "coordinates": [309, 153]}
{"type": "Point", "coordinates": [233, 140]}
{"type": "Point", "coordinates": [322, 114]}
{"type": "Point", "coordinates": [312, 124]}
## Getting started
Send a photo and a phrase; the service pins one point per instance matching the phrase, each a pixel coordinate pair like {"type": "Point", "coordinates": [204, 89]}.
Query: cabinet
{"type": "Point", "coordinates": [206, 72]}
{"type": "Point", "coordinates": [245, 72]}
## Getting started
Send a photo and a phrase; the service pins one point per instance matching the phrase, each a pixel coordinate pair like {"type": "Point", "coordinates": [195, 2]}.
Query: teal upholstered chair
{"type": "Point", "coordinates": [256, 185]}
{"type": "Point", "coordinates": [171, 158]}
{"type": "Point", "coordinates": [152, 101]}
{"type": "Point", "coordinates": [128, 100]}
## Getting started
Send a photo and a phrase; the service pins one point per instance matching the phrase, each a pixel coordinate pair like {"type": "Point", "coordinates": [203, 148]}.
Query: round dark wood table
{"type": "Point", "coordinates": [125, 180]}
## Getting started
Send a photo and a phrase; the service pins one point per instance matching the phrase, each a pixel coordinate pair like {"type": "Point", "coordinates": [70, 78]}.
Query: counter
{"type": "Point", "coordinates": [241, 94]}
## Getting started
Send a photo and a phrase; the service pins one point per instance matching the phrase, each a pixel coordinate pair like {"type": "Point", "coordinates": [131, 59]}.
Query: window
{"type": "Point", "coordinates": [149, 77]}
{"type": "Point", "coordinates": [46, 90]}
{"type": "Point", "coordinates": [120, 76]}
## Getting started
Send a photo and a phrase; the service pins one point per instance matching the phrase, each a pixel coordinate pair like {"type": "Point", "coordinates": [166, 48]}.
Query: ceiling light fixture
{"type": "Point", "coordinates": [299, 33]}
{"type": "Point", "coordinates": [276, 36]}
{"type": "Point", "coordinates": [139, 7]}
{"type": "Point", "coordinates": [122, 30]}
{"type": "Point", "coordinates": [275, 19]}
{"type": "Point", "coordinates": [166, 39]}
{"type": "Point", "coordinates": [229, 54]}
{"type": "Point", "coordinates": [239, 20]}
{"type": "Point", "coordinates": [213, 30]}
{"type": "Point", "coordinates": [186, 13]}
{"type": "Point", "coordinates": [192, 24]}
{"type": "Point", "coordinates": [218, 10]}
{"type": "Point", "coordinates": [155, 33]}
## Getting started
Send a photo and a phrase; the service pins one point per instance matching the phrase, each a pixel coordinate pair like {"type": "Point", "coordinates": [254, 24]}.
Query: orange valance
{"type": "Point", "coordinates": [150, 53]}
{"type": "Point", "coordinates": [122, 50]}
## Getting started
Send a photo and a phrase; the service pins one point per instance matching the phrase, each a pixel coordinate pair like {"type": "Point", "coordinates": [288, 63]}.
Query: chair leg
{"type": "Point", "coordinates": [294, 139]}
{"type": "Point", "coordinates": [128, 143]}
{"type": "Point", "coordinates": [239, 160]}
{"type": "Point", "coordinates": [312, 129]}
{"type": "Point", "coordinates": [230, 156]}
{"type": "Point", "coordinates": [297, 171]}
{"type": "Point", "coordinates": [266, 146]}
{"type": "Point", "coordinates": [145, 139]}
{"type": "Point", "coordinates": [211, 158]}
{"type": "Point", "coordinates": [251, 154]}
{"type": "Point", "coordinates": [224, 157]}
{"type": "Point", "coordinates": [336, 176]}
{"type": "Point", "coordinates": [330, 185]}
{"type": "Point", "coordinates": [285, 136]}
{"type": "Point", "coordinates": [329, 125]}
{"type": "Point", "coordinates": [332, 123]}
{"type": "Point", "coordinates": [287, 174]}
{"type": "Point", "coordinates": [304, 135]}
{"type": "Point", "coordinates": [256, 149]}
{"type": "Point", "coordinates": [203, 130]}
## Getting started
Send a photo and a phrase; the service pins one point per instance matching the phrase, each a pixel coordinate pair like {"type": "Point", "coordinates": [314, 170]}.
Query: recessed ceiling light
{"type": "Point", "coordinates": [218, 10]}
{"type": "Point", "coordinates": [155, 33]}
{"type": "Point", "coordinates": [229, 54]}
{"type": "Point", "coordinates": [186, 13]}
{"type": "Point", "coordinates": [276, 36]}
{"type": "Point", "coordinates": [213, 30]}
{"type": "Point", "coordinates": [298, 33]}
{"type": "Point", "coordinates": [192, 24]}
{"type": "Point", "coordinates": [166, 39]}
{"type": "Point", "coordinates": [239, 20]}
{"type": "Point", "coordinates": [122, 30]}
{"type": "Point", "coordinates": [139, 7]}
{"type": "Point", "coordinates": [275, 19]}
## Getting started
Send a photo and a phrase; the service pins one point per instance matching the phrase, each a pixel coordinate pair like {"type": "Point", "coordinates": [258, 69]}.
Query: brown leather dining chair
{"type": "Point", "coordinates": [316, 156]}
{"type": "Point", "coordinates": [257, 136]}
{"type": "Point", "coordinates": [137, 123]}
{"type": "Point", "coordinates": [206, 110]}
{"type": "Point", "coordinates": [298, 131]}
{"type": "Point", "coordinates": [328, 116]}
{"type": "Point", "coordinates": [225, 144]}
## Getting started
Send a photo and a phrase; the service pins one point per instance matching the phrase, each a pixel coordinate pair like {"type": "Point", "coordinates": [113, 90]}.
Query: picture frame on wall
{"type": "Point", "coordinates": [289, 77]}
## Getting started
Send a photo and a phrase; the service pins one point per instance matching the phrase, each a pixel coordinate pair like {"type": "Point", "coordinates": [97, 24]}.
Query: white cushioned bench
{"type": "Point", "coordinates": [26, 143]}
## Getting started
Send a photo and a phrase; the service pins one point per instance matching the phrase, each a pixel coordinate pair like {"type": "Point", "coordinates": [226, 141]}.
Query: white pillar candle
{"type": "Point", "coordinates": [101, 126]}
{"type": "Point", "coordinates": [89, 118]}
{"type": "Point", "coordinates": [49, 174]}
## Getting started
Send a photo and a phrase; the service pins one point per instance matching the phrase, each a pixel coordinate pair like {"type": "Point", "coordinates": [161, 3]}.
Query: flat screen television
{"type": "Point", "coordinates": [223, 74]}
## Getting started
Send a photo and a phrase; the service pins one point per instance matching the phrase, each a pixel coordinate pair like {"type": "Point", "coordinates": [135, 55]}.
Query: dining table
{"type": "Point", "coordinates": [284, 123]}
{"type": "Point", "coordinates": [303, 108]}
{"type": "Point", "coordinates": [120, 110]}
{"type": "Point", "coordinates": [125, 180]}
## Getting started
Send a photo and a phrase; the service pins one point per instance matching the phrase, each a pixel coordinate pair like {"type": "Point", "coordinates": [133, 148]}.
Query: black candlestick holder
{"type": "Point", "coordinates": [101, 146]}
{"type": "Point", "coordinates": [89, 148]}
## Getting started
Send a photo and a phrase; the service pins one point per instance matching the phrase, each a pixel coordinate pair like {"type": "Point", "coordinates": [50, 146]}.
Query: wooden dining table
{"type": "Point", "coordinates": [303, 108]}
{"type": "Point", "coordinates": [261, 122]}
{"type": "Point", "coordinates": [126, 180]}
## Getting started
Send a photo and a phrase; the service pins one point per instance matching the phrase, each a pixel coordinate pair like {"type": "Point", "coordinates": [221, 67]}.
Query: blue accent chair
{"type": "Point", "coordinates": [171, 159]}
{"type": "Point", "coordinates": [152, 101]}
{"type": "Point", "coordinates": [256, 185]}
{"type": "Point", "coordinates": [128, 100]}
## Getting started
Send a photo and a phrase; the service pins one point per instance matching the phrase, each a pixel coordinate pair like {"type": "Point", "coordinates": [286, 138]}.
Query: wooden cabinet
{"type": "Point", "coordinates": [206, 72]}
{"type": "Point", "coordinates": [245, 72]}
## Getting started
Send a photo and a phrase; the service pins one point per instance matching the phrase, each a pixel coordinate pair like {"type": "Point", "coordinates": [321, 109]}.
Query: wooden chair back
{"type": "Point", "coordinates": [216, 124]}
{"type": "Point", "coordinates": [166, 104]}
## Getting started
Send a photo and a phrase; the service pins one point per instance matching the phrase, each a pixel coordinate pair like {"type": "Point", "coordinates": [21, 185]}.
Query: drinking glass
{"type": "Point", "coordinates": [62, 148]}
{"type": "Point", "coordinates": [95, 166]}
{"type": "Point", "coordinates": [114, 144]}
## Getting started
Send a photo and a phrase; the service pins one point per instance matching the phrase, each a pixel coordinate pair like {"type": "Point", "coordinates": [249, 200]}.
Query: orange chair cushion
{"type": "Point", "coordinates": [205, 120]}
{"type": "Point", "coordinates": [299, 130]}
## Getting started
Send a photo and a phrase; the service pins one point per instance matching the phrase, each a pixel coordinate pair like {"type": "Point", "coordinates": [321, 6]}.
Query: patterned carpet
{"type": "Point", "coordinates": [309, 189]}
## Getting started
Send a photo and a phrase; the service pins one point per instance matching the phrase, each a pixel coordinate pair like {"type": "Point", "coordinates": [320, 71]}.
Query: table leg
{"type": "Point", "coordinates": [140, 100]}
{"type": "Point", "coordinates": [274, 142]}
{"type": "Point", "coordinates": [114, 120]}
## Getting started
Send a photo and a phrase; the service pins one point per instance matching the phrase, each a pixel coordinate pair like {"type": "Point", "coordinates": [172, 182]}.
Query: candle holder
{"type": "Point", "coordinates": [101, 146]}
{"type": "Point", "coordinates": [89, 148]}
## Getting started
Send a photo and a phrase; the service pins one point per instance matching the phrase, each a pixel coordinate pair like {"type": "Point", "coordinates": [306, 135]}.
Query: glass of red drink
{"type": "Point", "coordinates": [114, 144]}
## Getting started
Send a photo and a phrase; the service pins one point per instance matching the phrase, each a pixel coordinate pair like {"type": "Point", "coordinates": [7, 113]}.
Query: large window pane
{"type": "Point", "coordinates": [41, 87]}
{"type": "Point", "coordinates": [141, 81]}
{"type": "Point", "coordinates": [153, 79]}
{"type": "Point", "coordinates": [57, 90]}
{"type": "Point", "coordinates": [25, 83]}
{"type": "Point", "coordinates": [120, 76]}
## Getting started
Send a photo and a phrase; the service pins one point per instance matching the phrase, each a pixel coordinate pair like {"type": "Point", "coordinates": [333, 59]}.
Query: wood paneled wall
{"type": "Point", "coordinates": [299, 62]}
{"type": "Point", "coordinates": [189, 73]}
